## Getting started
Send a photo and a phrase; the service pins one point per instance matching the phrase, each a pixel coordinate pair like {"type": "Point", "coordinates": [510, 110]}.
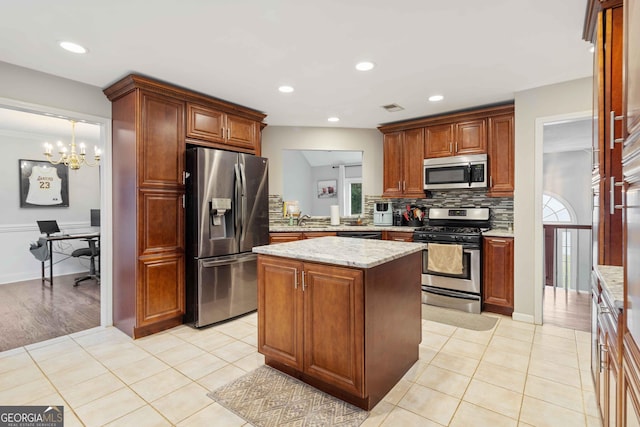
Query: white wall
{"type": "Point", "coordinates": [531, 106]}
{"type": "Point", "coordinates": [35, 91]}
{"type": "Point", "coordinates": [296, 189]}
{"type": "Point", "coordinates": [18, 224]}
{"type": "Point", "coordinates": [568, 174]}
{"type": "Point", "coordinates": [369, 141]}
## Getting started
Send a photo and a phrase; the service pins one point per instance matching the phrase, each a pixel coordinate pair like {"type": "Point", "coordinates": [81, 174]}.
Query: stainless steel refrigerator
{"type": "Point", "coordinates": [227, 209]}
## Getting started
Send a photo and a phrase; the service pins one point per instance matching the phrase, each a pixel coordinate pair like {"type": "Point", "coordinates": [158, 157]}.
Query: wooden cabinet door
{"type": "Point", "coordinates": [392, 175]}
{"type": "Point", "coordinates": [242, 132]}
{"type": "Point", "coordinates": [630, 384]}
{"type": "Point", "coordinates": [160, 291]}
{"type": "Point", "coordinates": [412, 163]}
{"type": "Point", "coordinates": [205, 123]}
{"type": "Point", "coordinates": [284, 237]}
{"type": "Point", "coordinates": [438, 141]}
{"type": "Point", "coordinates": [280, 310]}
{"type": "Point", "coordinates": [160, 222]}
{"type": "Point", "coordinates": [471, 137]}
{"type": "Point", "coordinates": [501, 156]}
{"type": "Point", "coordinates": [316, 234]}
{"type": "Point", "coordinates": [498, 275]}
{"type": "Point", "coordinates": [399, 236]}
{"type": "Point", "coordinates": [162, 147]}
{"type": "Point", "coordinates": [334, 326]}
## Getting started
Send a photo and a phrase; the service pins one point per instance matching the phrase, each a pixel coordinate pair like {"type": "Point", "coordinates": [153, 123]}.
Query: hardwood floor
{"type": "Point", "coordinates": [31, 312]}
{"type": "Point", "coordinates": [567, 309]}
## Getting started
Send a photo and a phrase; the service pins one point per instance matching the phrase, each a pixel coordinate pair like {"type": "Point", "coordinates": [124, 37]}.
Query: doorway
{"type": "Point", "coordinates": [24, 128]}
{"type": "Point", "coordinates": [566, 218]}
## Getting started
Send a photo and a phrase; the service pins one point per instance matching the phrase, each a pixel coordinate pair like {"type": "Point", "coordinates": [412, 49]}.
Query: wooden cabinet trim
{"type": "Point", "coordinates": [453, 117]}
{"type": "Point", "coordinates": [134, 81]}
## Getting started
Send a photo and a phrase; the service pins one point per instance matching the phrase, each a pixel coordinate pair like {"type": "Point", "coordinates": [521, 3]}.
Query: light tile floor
{"type": "Point", "coordinates": [516, 374]}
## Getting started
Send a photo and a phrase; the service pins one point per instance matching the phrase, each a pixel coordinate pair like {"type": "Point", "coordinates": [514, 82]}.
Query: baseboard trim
{"type": "Point", "coordinates": [525, 318]}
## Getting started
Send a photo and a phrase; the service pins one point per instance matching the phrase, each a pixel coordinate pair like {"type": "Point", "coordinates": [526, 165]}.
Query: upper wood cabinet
{"type": "Point", "coordinates": [216, 126]}
{"type": "Point", "coordinates": [487, 130]}
{"type": "Point", "coordinates": [403, 160]}
{"type": "Point", "coordinates": [501, 156]}
{"type": "Point", "coordinates": [162, 148]}
{"type": "Point", "coordinates": [452, 139]}
{"type": "Point", "coordinates": [608, 131]}
{"type": "Point", "coordinates": [152, 122]}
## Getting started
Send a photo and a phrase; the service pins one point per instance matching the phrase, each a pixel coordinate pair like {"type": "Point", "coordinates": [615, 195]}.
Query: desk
{"type": "Point", "coordinates": [51, 239]}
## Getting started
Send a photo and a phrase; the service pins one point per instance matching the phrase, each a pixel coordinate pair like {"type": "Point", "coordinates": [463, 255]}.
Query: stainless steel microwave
{"type": "Point", "coordinates": [455, 172]}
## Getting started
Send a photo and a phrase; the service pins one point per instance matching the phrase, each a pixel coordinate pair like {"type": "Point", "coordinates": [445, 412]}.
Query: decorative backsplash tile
{"type": "Point", "coordinates": [501, 207]}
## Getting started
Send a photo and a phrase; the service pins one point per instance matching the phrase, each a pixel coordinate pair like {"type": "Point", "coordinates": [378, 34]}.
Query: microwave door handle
{"type": "Point", "coordinates": [469, 174]}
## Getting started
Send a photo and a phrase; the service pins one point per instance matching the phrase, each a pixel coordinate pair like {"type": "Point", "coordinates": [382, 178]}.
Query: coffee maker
{"type": "Point", "coordinates": [383, 213]}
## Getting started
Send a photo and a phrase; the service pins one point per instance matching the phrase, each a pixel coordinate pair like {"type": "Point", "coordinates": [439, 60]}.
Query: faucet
{"type": "Point", "coordinates": [301, 220]}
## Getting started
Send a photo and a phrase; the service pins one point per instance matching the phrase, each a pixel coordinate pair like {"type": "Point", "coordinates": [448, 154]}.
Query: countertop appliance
{"type": "Point", "coordinates": [459, 289]}
{"type": "Point", "coordinates": [455, 172]}
{"type": "Point", "coordinates": [383, 213]}
{"type": "Point", "coordinates": [227, 214]}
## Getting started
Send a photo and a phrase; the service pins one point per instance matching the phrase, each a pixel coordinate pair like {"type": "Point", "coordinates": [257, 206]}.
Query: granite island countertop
{"type": "Point", "coordinates": [612, 280]}
{"type": "Point", "coordinates": [497, 233]}
{"type": "Point", "coordinates": [345, 251]}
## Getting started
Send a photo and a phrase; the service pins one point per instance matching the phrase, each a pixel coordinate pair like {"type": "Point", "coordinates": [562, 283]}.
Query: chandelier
{"type": "Point", "coordinates": [74, 157]}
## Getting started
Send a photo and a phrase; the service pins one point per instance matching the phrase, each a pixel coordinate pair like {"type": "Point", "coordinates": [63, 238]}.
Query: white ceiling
{"type": "Point", "coordinates": [472, 52]}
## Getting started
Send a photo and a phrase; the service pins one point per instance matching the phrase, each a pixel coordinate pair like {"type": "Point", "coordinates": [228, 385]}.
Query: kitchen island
{"type": "Point", "coordinates": [341, 314]}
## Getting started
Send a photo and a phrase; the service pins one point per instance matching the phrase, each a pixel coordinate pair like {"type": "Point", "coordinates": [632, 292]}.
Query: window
{"type": "Point", "coordinates": [553, 210]}
{"type": "Point", "coordinates": [353, 196]}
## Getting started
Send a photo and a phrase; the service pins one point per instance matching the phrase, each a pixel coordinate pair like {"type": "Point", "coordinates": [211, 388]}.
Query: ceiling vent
{"type": "Point", "coordinates": [392, 108]}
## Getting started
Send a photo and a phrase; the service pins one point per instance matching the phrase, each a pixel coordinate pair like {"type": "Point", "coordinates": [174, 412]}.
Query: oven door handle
{"type": "Point", "coordinates": [448, 293]}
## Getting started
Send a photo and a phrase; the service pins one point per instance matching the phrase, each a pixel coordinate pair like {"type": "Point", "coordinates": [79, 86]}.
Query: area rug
{"type": "Point", "coordinates": [457, 318]}
{"type": "Point", "coordinates": [267, 397]}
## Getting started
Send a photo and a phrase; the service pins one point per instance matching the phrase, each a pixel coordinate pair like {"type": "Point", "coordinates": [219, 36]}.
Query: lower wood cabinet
{"type": "Point", "coordinates": [282, 237]}
{"type": "Point", "coordinates": [348, 331]}
{"type": "Point", "coordinates": [497, 292]}
{"type": "Point", "coordinates": [398, 236]}
{"type": "Point", "coordinates": [630, 401]}
{"type": "Point", "coordinates": [311, 319]}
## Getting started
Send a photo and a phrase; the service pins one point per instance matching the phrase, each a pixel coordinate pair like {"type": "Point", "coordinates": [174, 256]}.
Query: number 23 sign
{"type": "Point", "coordinates": [43, 184]}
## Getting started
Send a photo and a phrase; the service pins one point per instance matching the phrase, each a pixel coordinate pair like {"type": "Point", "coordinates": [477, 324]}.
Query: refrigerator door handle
{"type": "Point", "coordinates": [238, 206]}
{"type": "Point", "coordinates": [229, 261]}
{"type": "Point", "coordinates": [244, 201]}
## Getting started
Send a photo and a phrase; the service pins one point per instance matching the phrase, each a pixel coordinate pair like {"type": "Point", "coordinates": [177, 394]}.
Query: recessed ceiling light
{"type": "Point", "coordinates": [333, 119]}
{"type": "Point", "coordinates": [365, 66]}
{"type": "Point", "coordinates": [592, 49]}
{"type": "Point", "coordinates": [286, 89]}
{"type": "Point", "coordinates": [435, 98]}
{"type": "Point", "coordinates": [73, 47]}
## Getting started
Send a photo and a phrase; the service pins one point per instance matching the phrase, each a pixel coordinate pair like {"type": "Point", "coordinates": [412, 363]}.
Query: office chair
{"type": "Point", "coordinates": [93, 252]}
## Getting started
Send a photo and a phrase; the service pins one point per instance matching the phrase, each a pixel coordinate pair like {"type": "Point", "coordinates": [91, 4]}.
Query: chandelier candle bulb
{"type": "Point", "coordinates": [73, 160]}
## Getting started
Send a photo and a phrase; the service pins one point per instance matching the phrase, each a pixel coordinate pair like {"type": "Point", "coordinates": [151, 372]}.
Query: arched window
{"type": "Point", "coordinates": [554, 210]}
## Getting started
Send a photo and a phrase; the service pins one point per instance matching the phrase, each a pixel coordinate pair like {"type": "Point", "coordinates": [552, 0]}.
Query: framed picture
{"type": "Point", "coordinates": [327, 189]}
{"type": "Point", "coordinates": [43, 184]}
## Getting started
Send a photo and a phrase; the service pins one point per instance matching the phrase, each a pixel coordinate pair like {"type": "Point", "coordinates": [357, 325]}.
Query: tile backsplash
{"type": "Point", "coordinates": [501, 207]}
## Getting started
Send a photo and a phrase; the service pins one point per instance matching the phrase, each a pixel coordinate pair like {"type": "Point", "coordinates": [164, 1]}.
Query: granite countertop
{"type": "Point", "coordinates": [497, 233]}
{"type": "Point", "coordinates": [612, 280]}
{"type": "Point", "coordinates": [346, 251]}
{"type": "Point", "coordinates": [330, 228]}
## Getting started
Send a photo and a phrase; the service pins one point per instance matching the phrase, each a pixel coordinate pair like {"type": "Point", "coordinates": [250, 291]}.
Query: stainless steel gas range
{"type": "Point", "coordinates": [451, 266]}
